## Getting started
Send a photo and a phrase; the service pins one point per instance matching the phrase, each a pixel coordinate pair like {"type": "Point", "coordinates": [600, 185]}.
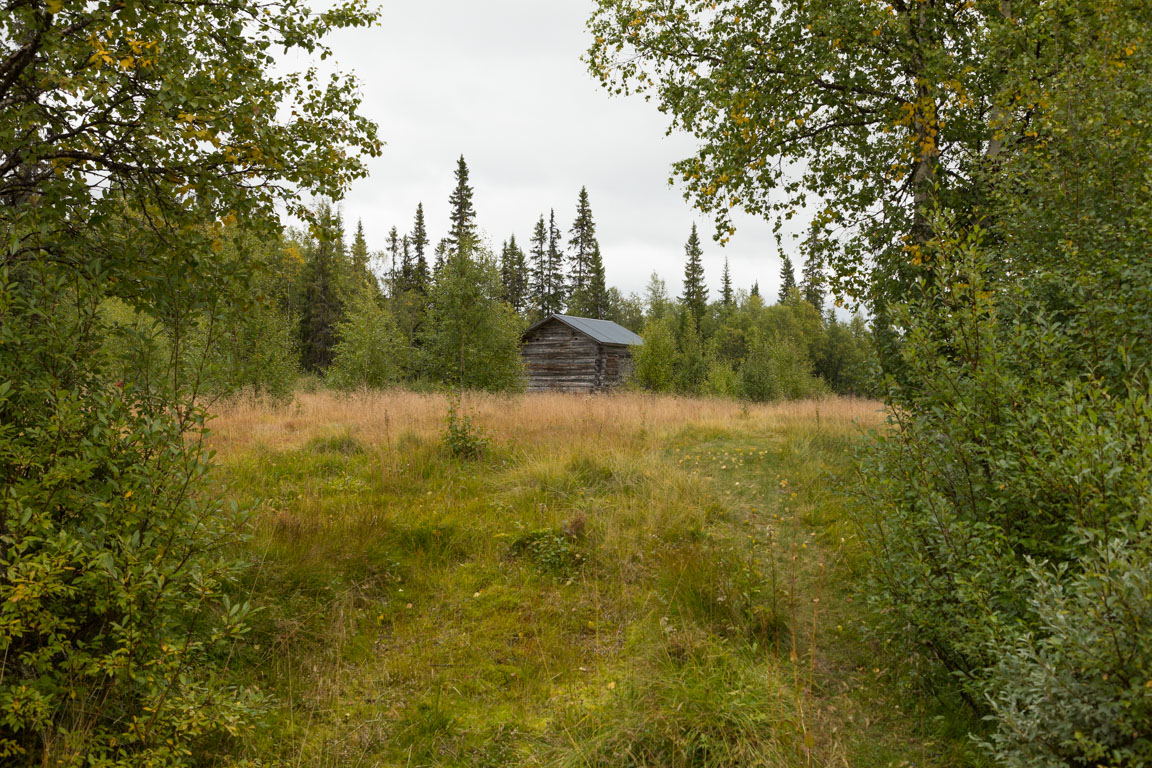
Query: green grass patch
{"type": "Point", "coordinates": [677, 600]}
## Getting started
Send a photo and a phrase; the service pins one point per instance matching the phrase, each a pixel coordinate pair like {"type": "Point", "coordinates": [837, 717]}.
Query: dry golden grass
{"type": "Point", "coordinates": [381, 418]}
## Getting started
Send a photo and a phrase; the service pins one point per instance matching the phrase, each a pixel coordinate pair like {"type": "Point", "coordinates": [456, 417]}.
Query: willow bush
{"type": "Point", "coordinates": [1010, 500]}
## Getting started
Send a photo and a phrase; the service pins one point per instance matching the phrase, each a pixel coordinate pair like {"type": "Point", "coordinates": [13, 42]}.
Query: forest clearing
{"type": "Point", "coordinates": [667, 579]}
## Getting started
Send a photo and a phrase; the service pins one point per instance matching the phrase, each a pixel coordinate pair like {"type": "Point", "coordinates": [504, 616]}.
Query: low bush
{"type": "Point", "coordinates": [555, 552]}
{"type": "Point", "coordinates": [778, 368]}
{"type": "Point", "coordinates": [1078, 687]}
{"type": "Point", "coordinates": [372, 352]}
{"type": "Point", "coordinates": [463, 439]}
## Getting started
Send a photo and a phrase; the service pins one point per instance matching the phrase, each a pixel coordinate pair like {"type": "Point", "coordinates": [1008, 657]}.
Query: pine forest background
{"type": "Point", "coordinates": [338, 313]}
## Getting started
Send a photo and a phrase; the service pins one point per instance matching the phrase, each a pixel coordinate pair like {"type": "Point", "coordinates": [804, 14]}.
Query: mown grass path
{"type": "Point", "coordinates": [623, 581]}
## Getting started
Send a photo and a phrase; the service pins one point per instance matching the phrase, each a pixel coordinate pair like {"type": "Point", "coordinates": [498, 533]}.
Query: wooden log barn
{"type": "Point", "coordinates": [577, 354]}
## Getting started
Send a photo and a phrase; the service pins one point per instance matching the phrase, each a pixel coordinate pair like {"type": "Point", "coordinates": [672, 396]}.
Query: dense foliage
{"type": "Point", "coordinates": [861, 110]}
{"type": "Point", "coordinates": [372, 351]}
{"type": "Point", "coordinates": [1011, 500]}
{"type": "Point", "coordinates": [472, 339]}
{"type": "Point", "coordinates": [116, 569]}
{"type": "Point", "coordinates": [144, 148]}
{"type": "Point", "coordinates": [787, 351]}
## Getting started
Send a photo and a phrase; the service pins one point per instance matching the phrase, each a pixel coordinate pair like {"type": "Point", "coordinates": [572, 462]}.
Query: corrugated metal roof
{"type": "Point", "coordinates": [603, 331]}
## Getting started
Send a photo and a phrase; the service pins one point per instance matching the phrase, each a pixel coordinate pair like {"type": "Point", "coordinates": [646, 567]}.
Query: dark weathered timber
{"type": "Point", "coordinates": [559, 357]}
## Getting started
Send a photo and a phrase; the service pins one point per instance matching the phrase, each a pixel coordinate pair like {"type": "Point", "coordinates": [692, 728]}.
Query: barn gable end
{"type": "Point", "coordinates": [576, 354]}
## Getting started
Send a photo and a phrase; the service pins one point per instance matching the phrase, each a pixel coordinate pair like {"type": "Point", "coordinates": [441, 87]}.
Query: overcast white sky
{"type": "Point", "coordinates": [501, 82]}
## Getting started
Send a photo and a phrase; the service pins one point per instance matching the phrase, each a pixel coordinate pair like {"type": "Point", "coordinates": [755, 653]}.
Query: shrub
{"type": "Point", "coordinates": [1010, 499]}
{"type": "Point", "coordinates": [1020, 442]}
{"type": "Point", "coordinates": [555, 552]}
{"type": "Point", "coordinates": [136, 347]}
{"type": "Point", "coordinates": [372, 351]}
{"type": "Point", "coordinates": [254, 351]}
{"type": "Point", "coordinates": [996, 457]}
{"type": "Point", "coordinates": [114, 606]}
{"type": "Point", "coordinates": [1075, 689]}
{"type": "Point", "coordinates": [471, 339]}
{"type": "Point", "coordinates": [654, 362]}
{"type": "Point", "coordinates": [691, 365]}
{"type": "Point", "coordinates": [722, 380]}
{"type": "Point", "coordinates": [463, 439]}
{"type": "Point", "coordinates": [777, 368]}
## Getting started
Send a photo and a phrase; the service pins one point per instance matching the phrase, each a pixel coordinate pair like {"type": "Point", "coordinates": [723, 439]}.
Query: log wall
{"type": "Point", "coordinates": [559, 358]}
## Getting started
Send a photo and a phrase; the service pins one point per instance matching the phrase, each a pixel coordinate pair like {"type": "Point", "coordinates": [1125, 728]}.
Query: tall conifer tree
{"type": "Point", "coordinates": [695, 296]}
{"type": "Point", "coordinates": [595, 297]}
{"type": "Point", "coordinates": [463, 229]}
{"type": "Point", "coordinates": [812, 281]}
{"type": "Point", "coordinates": [320, 305]}
{"type": "Point", "coordinates": [359, 250]}
{"type": "Point", "coordinates": [787, 277]}
{"type": "Point", "coordinates": [340, 247]}
{"type": "Point", "coordinates": [755, 289]}
{"type": "Point", "coordinates": [583, 243]}
{"type": "Point", "coordinates": [421, 278]}
{"type": "Point", "coordinates": [514, 275]}
{"type": "Point", "coordinates": [726, 285]}
{"type": "Point", "coordinates": [407, 265]}
{"type": "Point", "coordinates": [538, 271]}
{"type": "Point", "coordinates": [556, 292]}
{"type": "Point", "coordinates": [395, 278]}
{"type": "Point", "coordinates": [442, 250]}
{"type": "Point", "coordinates": [358, 275]}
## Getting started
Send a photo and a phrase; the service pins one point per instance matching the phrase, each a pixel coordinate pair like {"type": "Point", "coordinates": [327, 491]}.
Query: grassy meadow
{"type": "Point", "coordinates": [616, 581]}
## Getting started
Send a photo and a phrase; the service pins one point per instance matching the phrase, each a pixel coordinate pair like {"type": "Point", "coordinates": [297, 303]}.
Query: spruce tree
{"type": "Point", "coordinates": [407, 268]}
{"type": "Point", "coordinates": [462, 234]}
{"type": "Point", "coordinates": [726, 285]}
{"type": "Point", "coordinates": [357, 275]}
{"type": "Point", "coordinates": [695, 296]}
{"type": "Point", "coordinates": [359, 251]}
{"type": "Point", "coordinates": [812, 281]}
{"type": "Point", "coordinates": [583, 243]}
{"type": "Point", "coordinates": [538, 270]}
{"type": "Point", "coordinates": [556, 292]}
{"type": "Point", "coordinates": [440, 256]}
{"type": "Point", "coordinates": [506, 259]}
{"type": "Point", "coordinates": [755, 289]}
{"type": "Point", "coordinates": [320, 305]}
{"type": "Point", "coordinates": [787, 277]}
{"type": "Point", "coordinates": [595, 299]}
{"type": "Point", "coordinates": [395, 279]}
{"type": "Point", "coordinates": [339, 247]}
{"type": "Point", "coordinates": [421, 278]}
{"type": "Point", "coordinates": [514, 275]}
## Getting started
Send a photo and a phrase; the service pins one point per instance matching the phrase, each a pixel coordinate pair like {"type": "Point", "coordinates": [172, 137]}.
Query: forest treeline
{"type": "Point", "coordinates": [451, 314]}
